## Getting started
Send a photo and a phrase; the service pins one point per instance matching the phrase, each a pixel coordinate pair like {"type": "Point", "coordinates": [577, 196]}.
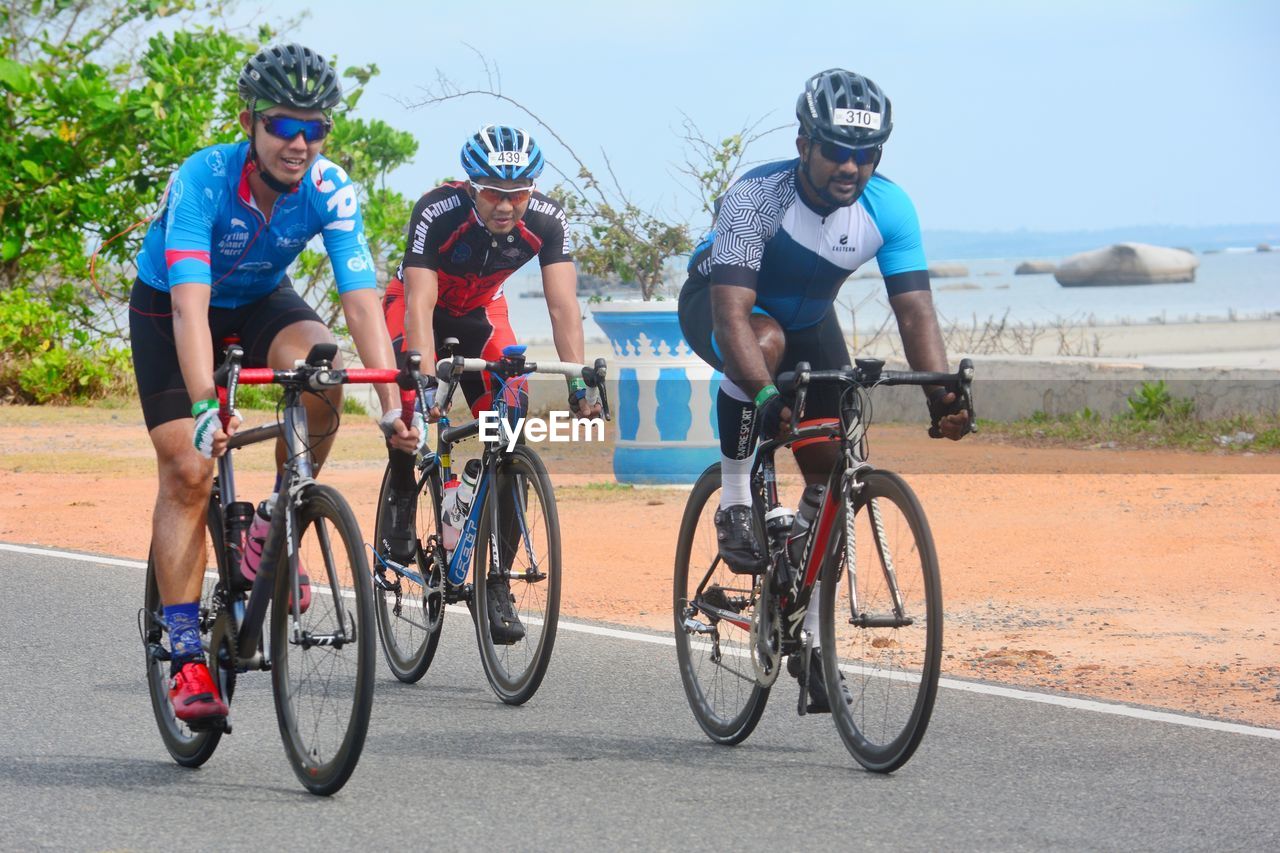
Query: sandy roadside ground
{"type": "Point", "coordinates": [1135, 576]}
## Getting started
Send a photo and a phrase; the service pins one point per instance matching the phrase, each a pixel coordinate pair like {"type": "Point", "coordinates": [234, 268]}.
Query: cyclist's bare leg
{"type": "Point", "coordinates": [177, 525]}
{"type": "Point", "coordinates": [292, 343]}
{"type": "Point", "coordinates": [817, 460]}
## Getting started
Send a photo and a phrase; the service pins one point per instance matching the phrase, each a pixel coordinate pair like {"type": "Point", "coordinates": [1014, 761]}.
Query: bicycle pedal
{"type": "Point", "coordinates": [221, 724]}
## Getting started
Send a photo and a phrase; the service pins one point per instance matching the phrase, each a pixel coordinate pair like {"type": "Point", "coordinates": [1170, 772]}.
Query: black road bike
{"type": "Point", "coordinates": [322, 660]}
{"type": "Point", "coordinates": [512, 534]}
{"type": "Point", "coordinates": [869, 558]}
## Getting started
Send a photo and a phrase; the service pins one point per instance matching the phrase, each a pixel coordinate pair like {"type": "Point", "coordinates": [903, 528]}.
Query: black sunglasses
{"type": "Point", "coordinates": [287, 127]}
{"type": "Point", "coordinates": [840, 154]}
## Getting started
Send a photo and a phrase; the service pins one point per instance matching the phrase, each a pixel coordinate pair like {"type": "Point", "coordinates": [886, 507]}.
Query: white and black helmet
{"type": "Point", "coordinates": [845, 108]}
{"type": "Point", "coordinates": [290, 75]}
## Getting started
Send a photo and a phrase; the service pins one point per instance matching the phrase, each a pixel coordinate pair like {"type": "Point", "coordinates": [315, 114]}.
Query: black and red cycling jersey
{"type": "Point", "coordinates": [446, 236]}
{"type": "Point", "coordinates": [471, 265]}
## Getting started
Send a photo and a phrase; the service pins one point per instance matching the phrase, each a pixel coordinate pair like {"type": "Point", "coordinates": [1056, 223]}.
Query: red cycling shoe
{"type": "Point", "coordinates": [194, 696]}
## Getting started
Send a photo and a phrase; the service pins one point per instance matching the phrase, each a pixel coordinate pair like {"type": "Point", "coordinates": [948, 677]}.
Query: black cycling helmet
{"type": "Point", "coordinates": [290, 75]}
{"type": "Point", "coordinates": [845, 108]}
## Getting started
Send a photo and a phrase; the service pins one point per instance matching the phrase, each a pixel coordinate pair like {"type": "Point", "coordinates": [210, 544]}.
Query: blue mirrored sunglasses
{"type": "Point", "coordinates": [287, 127]}
{"type": "Point", "coordinates": [840, 154]}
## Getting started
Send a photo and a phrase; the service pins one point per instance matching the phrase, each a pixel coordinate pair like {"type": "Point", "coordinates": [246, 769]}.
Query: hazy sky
{"type": "Point", "coordinates": [1007, 115]}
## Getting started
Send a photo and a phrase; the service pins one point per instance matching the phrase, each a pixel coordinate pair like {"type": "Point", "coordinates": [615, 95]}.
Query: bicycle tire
{"type": "Point", "coordinates": [407, 646]}
{"type": "Point", "coordinates": [324, 752]}
{"type": "Point", "coordinates": [892, 671]}
{"type": "Point", "coordinates": [188, 748]}
{"type": "Point", "coordinates": [516, 671]}
{"type": "Point", "coordinates": [726, 699]}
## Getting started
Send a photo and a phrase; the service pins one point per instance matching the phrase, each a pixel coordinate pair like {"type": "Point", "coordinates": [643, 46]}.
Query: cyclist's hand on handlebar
{"type": "Point", "coordinates": [209, 438]}
{"type": "Point", "coordinates": [582, 403]}
{"type": "Point", "coordinates": [401, 437]}
{"type": "Point", "coordinates": [947, 415]}
{"type": "Point", "coordinates": [775, 418]}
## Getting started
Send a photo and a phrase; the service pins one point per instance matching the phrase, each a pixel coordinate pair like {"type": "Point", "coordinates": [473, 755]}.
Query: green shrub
{"type": "Point", "coordinates": [44, 360]}
{"type": "Point", "coordinates": [1151, 401]}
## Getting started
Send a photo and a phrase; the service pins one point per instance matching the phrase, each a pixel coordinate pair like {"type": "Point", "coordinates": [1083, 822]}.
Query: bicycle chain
{"type": "Point", "coordinates": [767, 669]}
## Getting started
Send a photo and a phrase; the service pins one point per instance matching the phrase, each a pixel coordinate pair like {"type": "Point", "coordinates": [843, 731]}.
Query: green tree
{"type": "Point", "coordinates": [96, 118]}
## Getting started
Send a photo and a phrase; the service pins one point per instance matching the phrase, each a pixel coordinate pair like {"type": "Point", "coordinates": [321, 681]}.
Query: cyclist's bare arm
{"type": "Point", "coordinates": [421, 290]}
{"type": "Point", "coordinates": [923, 346]}
{"type": "Point", "coordinates": [194, 343]}
{"type": "Point", "coordinates": [744, 361]}
{"type": "Point", "coordinates": [560, 284]}
{"type": "Point", "coordinates": [373, 343]}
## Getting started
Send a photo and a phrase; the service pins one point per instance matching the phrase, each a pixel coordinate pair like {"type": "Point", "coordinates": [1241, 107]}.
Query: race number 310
{"type": "Point", "coordinates": [856, 118]}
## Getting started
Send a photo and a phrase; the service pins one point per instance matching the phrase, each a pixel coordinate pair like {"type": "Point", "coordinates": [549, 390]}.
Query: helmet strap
{"type": "Point", "coordinates": [274, 183]}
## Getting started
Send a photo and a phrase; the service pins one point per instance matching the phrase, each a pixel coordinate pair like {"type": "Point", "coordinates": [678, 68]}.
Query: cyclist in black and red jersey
{"type": "Point", "coordinates": [465, 239]}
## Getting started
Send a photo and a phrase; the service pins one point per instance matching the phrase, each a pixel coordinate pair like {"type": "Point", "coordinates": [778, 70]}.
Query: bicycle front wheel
{"type": "Point", "coordinates": [713, 609]}
{"type": "Point", "coordinates": [518, 561]}
{"type": "Point", "coordinates": [188, 747]}
{"type": "Point", "coordinates": [405, 612]}
{"type": "Point", "coordinates": [323, 663]}
{"type": "Point", "coordinates": [881, 624]}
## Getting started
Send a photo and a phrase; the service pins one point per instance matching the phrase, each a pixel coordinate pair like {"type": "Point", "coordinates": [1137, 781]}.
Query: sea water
{"type": "Point", "coordinates": [1234, 284]}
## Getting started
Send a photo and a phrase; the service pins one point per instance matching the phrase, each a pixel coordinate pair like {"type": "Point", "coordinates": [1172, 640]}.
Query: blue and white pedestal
{"type": "Point", "coordinates": [665, 403]}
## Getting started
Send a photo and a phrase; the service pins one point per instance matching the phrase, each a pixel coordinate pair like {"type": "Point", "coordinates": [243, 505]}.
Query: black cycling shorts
{"type": "Point", "coordinates": [155, 357]}
{"type": "Point", "coordinates": [821, 345]}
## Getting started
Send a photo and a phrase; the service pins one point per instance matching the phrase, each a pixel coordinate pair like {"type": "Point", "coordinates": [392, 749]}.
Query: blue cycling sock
{"type": "Point", "coordinates": [184, 632]}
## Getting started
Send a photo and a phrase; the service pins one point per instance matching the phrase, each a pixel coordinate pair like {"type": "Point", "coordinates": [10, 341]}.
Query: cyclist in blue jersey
{"type": "Point", "coordinates": [761, 288]}
{"type": "Point", "coordinates": [213, 265]}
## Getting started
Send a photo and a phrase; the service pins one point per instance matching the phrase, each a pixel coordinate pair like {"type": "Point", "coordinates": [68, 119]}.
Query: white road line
{"type": "Point", "coordinates": [949, 683]}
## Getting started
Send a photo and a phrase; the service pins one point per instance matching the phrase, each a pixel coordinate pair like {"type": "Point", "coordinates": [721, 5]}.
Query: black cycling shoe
{"type": "Point", "coordinates": [817, 684]}
{"type": "Point", "coordinates": [737, 536]}
{"type": "Point", "coordinates": [504, 622]}
{"type": "Point", "coordinates": [398, 527]}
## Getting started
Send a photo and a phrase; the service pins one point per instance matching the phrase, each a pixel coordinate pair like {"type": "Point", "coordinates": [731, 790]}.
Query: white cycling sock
{"type": "Point", "coordinates": [735, 481]}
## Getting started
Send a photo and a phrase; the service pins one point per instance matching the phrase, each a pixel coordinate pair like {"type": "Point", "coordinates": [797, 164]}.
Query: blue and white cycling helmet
{"type": "Point", "coordinates": [505, 153]}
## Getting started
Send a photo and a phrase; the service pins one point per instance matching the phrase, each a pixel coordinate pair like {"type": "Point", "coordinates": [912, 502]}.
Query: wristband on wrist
{"type": "Point", "coordinates": [767, 392]}
{"type": "Point", "coordinates": [198, 409]}
{"type": "Point", "coordinates": [577, 384]}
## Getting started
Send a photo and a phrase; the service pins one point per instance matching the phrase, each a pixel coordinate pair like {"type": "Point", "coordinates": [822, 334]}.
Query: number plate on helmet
{"type": "Point", "coordinates": [856, 118]}
{"type": "Point", "coordinates": [508, 158]}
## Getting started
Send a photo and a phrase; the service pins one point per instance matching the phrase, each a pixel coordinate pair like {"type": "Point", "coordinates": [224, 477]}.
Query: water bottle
{"type": "Point", "coordinates": [448, 504]}
{"type": "Point", "coordinates": [805, 515]}
{"type": "Point", "coordinates": [456, 515]}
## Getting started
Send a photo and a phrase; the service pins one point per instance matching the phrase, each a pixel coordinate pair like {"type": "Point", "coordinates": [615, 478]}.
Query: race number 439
{"type": "Point", "coordinates": [508, 158]}
{"type": "Point", "coordinates": [856, 118]}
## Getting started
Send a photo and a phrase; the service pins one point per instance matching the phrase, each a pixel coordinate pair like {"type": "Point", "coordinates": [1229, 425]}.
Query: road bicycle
{"type": "Point", "coordinates": [880, 631]}
{"type": "Point", "coordinates": [322, 660]}
{"type": "Point", "coordinates": [511, 532]}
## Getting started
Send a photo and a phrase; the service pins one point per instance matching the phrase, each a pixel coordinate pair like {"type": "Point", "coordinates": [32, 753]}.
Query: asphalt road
{"type": "Point", "coordinates": [607, 755]}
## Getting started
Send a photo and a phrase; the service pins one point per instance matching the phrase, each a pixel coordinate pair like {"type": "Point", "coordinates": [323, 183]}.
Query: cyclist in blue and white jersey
{"type": "Point", "coordinates": [761, 289]}
{"type": "Point", "coordinates": [212, 265]}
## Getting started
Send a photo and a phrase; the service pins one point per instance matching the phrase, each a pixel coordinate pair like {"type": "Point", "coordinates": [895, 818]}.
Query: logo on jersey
{"type": "Point", "coordinates": [461, 253]}
{"type": "Point", "coordinates": [360, 263]}
{"type": "Point", "coordinates": [217, 164]}
{"type": "Point", "coordinates": [235, 241]}
{"type": "Point", "coordinates": [844, 245]}
{"type": "Point", "coordinates": [294, 237]}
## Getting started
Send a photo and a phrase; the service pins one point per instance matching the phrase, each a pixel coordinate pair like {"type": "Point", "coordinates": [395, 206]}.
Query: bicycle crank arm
{"type": "Point", "coordinates": [309, 640]}
{"type": "Point", "coordinates": [870, 621]}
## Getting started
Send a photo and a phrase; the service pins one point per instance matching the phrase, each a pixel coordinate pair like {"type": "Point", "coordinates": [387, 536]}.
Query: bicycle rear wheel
{"type": "Point", "coordinates": [323, 674]}
{"type": "Point", "coordinates": [405, 613]}
{"type": "Point", "coordinates": [524, 552]}
{"type": "Point", "coordinates": [713, 609]}
{"type": "Point", "coordinates": [188, 747]}
{"type": "Point", "coordinates": [889, 659]}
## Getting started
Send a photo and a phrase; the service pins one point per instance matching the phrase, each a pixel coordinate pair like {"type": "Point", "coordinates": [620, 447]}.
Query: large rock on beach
{"type": "Point", "coordinates": [948, 271]}
{"type": "Point", "coordinates": [1127, 263]}
{"type": "Point", "coordinates": [1035, 268]}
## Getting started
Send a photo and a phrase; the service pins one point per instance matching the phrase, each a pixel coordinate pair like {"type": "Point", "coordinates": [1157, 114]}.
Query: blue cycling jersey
{"type": "Point", "coordinates": [210, 231]}
{"type": "Point", "coordinates": [768, 239]}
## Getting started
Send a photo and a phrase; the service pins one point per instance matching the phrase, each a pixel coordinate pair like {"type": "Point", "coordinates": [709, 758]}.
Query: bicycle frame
{"type": "Point", "coordinates": [512, 366]}
{"type": "Point", "coordinates": [249, 615]}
